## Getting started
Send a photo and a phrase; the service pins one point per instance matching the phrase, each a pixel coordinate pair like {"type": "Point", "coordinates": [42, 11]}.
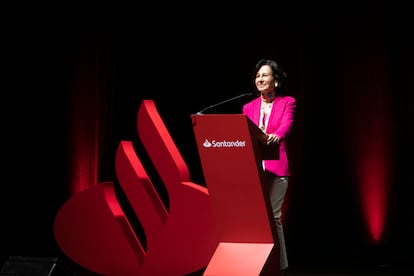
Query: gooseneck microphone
{"type": "Point", "coordinates": [225, 101]}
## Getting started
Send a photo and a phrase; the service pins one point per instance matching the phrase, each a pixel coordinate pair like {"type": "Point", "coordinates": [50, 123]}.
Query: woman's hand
{"type": "Point", "coordinates": [272, 138]}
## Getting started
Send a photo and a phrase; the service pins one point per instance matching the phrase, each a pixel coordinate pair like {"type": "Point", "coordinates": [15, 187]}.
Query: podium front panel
{"type": "Point", "coordinates": [229, 150]}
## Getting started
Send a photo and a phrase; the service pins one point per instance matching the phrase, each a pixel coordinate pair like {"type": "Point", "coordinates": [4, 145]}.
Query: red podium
{"type": "Point", "coordinates": [231, 150]}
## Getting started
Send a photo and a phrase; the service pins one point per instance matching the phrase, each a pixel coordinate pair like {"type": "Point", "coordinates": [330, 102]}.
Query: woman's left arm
{"type": "Point", "coordinates": [287, 120]}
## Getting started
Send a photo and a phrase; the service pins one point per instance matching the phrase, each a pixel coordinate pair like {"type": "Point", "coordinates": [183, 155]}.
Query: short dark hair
{"type": "Point", "coordinates": [278, 73]}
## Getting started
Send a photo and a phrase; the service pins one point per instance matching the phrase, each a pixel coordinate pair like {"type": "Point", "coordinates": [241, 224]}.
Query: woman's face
{"type": "Point", "coordinates": [265, 83]}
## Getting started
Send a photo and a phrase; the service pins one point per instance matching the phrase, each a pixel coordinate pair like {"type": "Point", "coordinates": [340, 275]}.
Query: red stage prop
{"type": "Point", "coordinates": [93, 230]}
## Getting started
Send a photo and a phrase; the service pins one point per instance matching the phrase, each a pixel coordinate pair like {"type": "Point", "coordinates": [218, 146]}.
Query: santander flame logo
{"type": "Point", "coordinates": [93, 230]}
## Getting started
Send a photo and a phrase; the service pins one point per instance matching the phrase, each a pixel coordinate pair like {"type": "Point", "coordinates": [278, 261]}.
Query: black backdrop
{"type": "Point", "coordinates": [186, 61]}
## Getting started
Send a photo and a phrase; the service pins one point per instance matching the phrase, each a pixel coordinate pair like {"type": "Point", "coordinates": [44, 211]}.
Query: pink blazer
{"type": "Point", "coordinates": [280, 123]}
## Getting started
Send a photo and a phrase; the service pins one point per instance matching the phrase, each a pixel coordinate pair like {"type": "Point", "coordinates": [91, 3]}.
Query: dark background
{"type": "Point", "coordinates": [73, 77]}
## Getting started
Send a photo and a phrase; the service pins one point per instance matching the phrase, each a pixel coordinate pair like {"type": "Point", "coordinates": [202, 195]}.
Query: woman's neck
{"type": "Point", "coordinates": [269, 97]}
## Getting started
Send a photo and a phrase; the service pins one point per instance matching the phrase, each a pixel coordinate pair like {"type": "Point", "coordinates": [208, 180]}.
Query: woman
{"type": "Point", "coordinates": [273, 112]}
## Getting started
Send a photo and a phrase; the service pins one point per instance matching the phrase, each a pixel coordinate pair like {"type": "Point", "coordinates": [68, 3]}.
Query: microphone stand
{"type": "Point", "coordinates": [223, 102]}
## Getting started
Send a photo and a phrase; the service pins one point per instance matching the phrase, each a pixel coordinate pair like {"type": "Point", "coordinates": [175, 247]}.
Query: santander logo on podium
{"type": "Point", "coordinates": [93, 230]}
{"type": "Point", "coordinates": [224, 144]}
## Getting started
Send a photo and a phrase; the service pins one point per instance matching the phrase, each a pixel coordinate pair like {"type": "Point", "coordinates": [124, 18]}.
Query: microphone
{"type": "Point", "coordinates": [225, 101]}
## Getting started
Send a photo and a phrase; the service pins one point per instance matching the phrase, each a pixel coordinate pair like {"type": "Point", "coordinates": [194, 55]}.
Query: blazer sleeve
{"type": "Point", "coordinates": [287, 119]}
